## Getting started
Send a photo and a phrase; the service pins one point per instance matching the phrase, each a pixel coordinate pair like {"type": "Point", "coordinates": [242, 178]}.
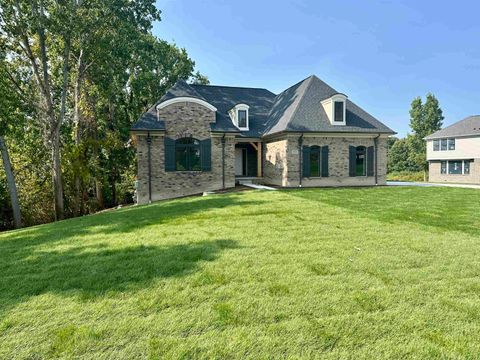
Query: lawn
{"type": "Point", "coordinates": [361, 273]}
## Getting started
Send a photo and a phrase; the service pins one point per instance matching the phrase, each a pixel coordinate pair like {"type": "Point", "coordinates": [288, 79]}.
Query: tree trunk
{"type": "Point", "coordinates": [99, 193]}
{"type": "Point", "coordinates": [57, 174]}
{"type": "Point", "coordinates": [12, 187]}
{"type": "Point", "coordinates": [77, 120]}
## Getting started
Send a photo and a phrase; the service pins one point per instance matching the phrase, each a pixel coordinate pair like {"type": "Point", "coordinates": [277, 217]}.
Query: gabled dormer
{"type": "Point", "coordinates": [335, 107]}
{"type": "Point", "coordinates": [240, 117]}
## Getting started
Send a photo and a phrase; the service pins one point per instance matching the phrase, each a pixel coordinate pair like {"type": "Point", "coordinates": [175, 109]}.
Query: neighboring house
{"type": "Point", "coordinates": [200, 138]}
{"type": "Point", "coordinates": [453, 153]}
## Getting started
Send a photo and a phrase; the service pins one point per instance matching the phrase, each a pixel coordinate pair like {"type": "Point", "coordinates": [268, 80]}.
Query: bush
{"type": "Point", "coordinates": [405, 176]}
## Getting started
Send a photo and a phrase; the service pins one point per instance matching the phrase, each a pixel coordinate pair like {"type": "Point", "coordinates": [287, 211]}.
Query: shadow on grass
{"type": "Point", "coordinates": [446, 209]}
{"type": "Point", "coordinates": [118, 221]}
{"type": "Point", "coordinates": [89, 272]}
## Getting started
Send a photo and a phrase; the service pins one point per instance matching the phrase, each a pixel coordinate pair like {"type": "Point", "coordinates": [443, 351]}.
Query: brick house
{"type": "Point", "coordinates": [200, 138]}
{"type": "Point", "coordinates": [453, 153]}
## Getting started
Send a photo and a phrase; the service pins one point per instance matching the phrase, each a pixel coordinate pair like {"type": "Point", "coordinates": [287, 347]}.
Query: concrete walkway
{"type": "Point", "coordinates": [408, 183]}
{"type": "Point", "coordinates": [259, 187]}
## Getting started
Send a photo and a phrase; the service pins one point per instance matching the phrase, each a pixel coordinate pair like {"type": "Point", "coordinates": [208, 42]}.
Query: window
{"type": "Point", "coordinates": [443, 167]}
{"type": "Point", "coordinates": [451, 144]}
{"type": "Point", "coordinates": [436, 145]}
{"type": "Point", "coordinates": [444, 144]}
{"type": "Point", "coordinates": [455, 167]}
{"type": "Point", "coordinates": [338, 116]}
{"type": "Point", "coordinates": [242, 119]}
{"type": "Point", "coordinates": [187, 155]}
{"type": "Point", "coordinates": [360, 168]}
{"type": "Point", "coordinates": [466, 167]}
{"type": "Point", "coordinates": [315, 160]}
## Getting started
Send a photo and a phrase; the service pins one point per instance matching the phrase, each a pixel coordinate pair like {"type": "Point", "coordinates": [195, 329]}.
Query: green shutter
{"type": "Point", "coordinates": [169, 154]}
{"type": "Point", "coordinates": [370, 161]}
{"type": "Point", "coordinates": [324, 161]}
{"type": "Point", "coordinates": [352, 160]}
{"type": "Point", "coordinates": [206, 154]}
{"type": "Point", "coordinates": [306, 161]}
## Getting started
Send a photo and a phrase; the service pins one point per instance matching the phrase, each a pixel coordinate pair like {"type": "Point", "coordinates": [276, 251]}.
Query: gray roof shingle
{"type": "Point", "coordinates": [469, 126]}
{"type": "Point", "coordinates": [297, 109]}
{"type": "Point", "coordinates": [149, 122]}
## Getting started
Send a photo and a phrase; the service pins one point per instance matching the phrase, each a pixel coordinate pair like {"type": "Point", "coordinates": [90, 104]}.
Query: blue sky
{"type": "Point", "coordinates": [380, 53]}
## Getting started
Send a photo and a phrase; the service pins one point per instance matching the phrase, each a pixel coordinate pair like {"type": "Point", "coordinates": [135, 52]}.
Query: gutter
{"type": "Point", "coordinates": [375, 144]}
{"type": "Point", "coordinates": [149, 160]}
{"type": "Point", "coordinates": [223, 161]}
{"type": "Point", "coordinates": [300, 170]}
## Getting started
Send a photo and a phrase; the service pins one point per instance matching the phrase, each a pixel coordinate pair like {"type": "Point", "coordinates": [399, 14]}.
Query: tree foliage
{"type": "Point", "coordinates": [409, 154]}
{"type": "Point", "coordinates": [81, 72]}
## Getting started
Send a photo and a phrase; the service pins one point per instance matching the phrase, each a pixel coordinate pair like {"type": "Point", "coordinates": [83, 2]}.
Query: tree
{"type": "Point", "coordinates": [91, 68]}
{"type": "Point", "coordinates": [424, 120]}
{"type": "Point", "coordinates": [10, 103]}
{"type": "Point", "coordinates": [39, 32]}
{"type": "Point", "coordinates": [199, 79]}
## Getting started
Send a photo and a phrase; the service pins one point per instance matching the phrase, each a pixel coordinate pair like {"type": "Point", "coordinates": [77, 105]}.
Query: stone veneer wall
{"type": "Point", "coordinates": [183, 119]}
{"type": "Point", "coordinates": [275, 163]}
{"type": "Point", "coordinates": [282, 162]}
{"type": "Point", "coordinates": [434, 174]}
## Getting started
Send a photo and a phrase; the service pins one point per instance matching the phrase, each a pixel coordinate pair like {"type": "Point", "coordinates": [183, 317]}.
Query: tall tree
{"type": "Point", "coordinates": [424, 120]}
{"type": "Point", "coordinates": [10, 114]}
{"type": "Point", "coordinates": [39, 32]}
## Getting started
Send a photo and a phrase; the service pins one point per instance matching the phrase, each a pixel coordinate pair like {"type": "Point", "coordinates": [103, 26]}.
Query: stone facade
{"type": "Point", "coordinates": [435, 175]}
{"type": "Point", "coordinates": [282, 160]}
{"type": "Point", "coordinates": [275, 166]}
{"type": "Point", "coordinates": [181, 120]}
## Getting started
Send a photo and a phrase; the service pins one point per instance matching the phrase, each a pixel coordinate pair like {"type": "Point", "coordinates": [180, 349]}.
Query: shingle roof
{"type": "Point", "coordinates": [149, 122]}
{"type": "Point", "coordinates": [297, 109]}
{"type": "Point", "coordinates": [224, 98]}
{"type": "Point", "coordinates": [469, 126]}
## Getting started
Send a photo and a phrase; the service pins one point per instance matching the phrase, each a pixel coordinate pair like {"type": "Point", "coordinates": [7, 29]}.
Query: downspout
{"type": "Point", "coordinates": [223, 161]}
{"type": "Point", "coordinates": [300, 142]}
{"type": "Point", "coordinates": [375, 144]}
{"type": "Point", "coordinates": [149, 160]}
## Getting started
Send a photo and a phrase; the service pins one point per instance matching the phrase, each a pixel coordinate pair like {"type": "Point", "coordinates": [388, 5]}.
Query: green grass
{"type": "Point", "coordinates": [361, 273]}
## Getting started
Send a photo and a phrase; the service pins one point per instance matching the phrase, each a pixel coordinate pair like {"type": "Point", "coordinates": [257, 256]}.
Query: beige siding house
{"type": "Point", "coordinates": [453, 153]}
{"type": "Point", "coordinates": [200, 138]}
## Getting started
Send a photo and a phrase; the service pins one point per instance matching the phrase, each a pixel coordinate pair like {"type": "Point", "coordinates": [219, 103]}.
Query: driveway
{"type": "Point", "coordinates": [408, 183]}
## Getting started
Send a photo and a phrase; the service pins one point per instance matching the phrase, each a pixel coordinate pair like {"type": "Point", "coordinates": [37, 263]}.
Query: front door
{"type": "Point", "coordinates": [240, 157]}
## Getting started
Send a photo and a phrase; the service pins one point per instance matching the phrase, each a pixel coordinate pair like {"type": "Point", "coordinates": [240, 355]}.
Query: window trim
{"type": "Point", "coordinates": [188, 146]}
{"type": "Point", "coordinates": [447, 167]}
{"type": "Point", "coordinates": [342, 103]}
{"type": "Point", "coordinates": [444, 144]}
{"type": "Point", "coordinates": [449, 142]}
{"type": "Point", "coordinates": [234, 116]}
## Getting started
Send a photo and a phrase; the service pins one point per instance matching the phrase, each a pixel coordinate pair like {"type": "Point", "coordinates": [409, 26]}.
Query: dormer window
{"type": "Point", "coordinates": [335, 109]}
{"type": "Point", "coordinates": [239, 116]}
{"type": "Point", "coordinates": [338, 116]}
{"type": "Point", "coordinates": [242, 119]}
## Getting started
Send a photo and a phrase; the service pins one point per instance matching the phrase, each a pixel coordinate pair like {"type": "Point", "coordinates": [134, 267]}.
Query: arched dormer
{"type": "Point", "coordinates": [240, 116]}
{"type": "Point", "coordinates": [335, 107]}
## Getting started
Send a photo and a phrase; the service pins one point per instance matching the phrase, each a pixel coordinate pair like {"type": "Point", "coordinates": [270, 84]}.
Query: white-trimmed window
{"type": "Point", "coordinates": [455, 167]}
{"type": "Point", "coordinates": [444, 144]}
{"type": "Point", "coordinates": [335, 108]}
{"type": "Point", "coordinates": [240, 117]}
